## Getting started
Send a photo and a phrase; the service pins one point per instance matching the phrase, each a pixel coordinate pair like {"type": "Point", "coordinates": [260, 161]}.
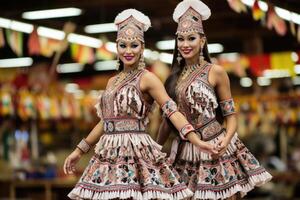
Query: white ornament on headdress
{"type": "Point", "coordinates": [139, 16]}
{"type": "Point", "coordinates": [197, 5]}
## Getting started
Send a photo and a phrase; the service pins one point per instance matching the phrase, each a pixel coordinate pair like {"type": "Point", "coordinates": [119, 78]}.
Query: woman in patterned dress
{"type": "Point", "coordinates": [195, 84]}
{"type": "Point", "coordinates": [127, 163]}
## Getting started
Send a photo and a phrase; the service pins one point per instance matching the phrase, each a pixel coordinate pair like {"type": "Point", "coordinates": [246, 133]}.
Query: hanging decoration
{"type": "Point", "coordinates": [237, 6]}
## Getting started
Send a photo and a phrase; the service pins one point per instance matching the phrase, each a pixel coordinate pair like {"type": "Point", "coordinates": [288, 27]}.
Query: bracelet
{"type": "Point", "coordinates": [227, 107]}
{"type": "Point", "coordinates": [83, 146]}
{"type": "Point", "coordinates": [185, 130]}
{"type": "Point", "coordinates": [169, 108]}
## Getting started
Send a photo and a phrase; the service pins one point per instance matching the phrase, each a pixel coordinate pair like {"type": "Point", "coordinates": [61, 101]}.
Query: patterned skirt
{"type": "Point", "coordinates": [129, 166]}
{"type": "Point", "coordinates": [235, 172]}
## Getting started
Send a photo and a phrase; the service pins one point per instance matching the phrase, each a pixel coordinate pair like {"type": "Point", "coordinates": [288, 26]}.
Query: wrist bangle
{"type": "Point", "coordinates": [185, 130]}
{"type": "Point", "coordinates": [83, 146]}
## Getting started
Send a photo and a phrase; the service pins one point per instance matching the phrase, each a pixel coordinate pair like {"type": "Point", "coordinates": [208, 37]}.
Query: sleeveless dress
{"type": "Point", "coordinates": [236, 171]}
{"type": "Point", "coordinates": [128, 163]}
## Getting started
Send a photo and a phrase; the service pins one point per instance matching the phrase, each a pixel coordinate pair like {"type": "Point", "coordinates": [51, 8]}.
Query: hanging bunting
{"type": "Point", "coordinates": [257, 12]}
{"type": "Point", "coordinates": [275, 21]}
{"type": "Point", "coordinates": [283, 60]}
{"type": "Point", "coordinates": [34, 43]}
{"type": "Point", "coordinates": [103, 54]}
{"type": "Point", "coordinates": [2, 40]}
{"type": "Point", "coordinates": [293, 28]}
{"type": "Point", "coordinates": [237, 6]}
{"type": "Point", "coordinates": [82, 54]}
{"type": "Point", "coordinates": [15, 41]}
{"type": "Point", "coordinates": [74, 49]}
{"type": "Point", "coordinates": [6, 102]}
{"type": "Point", "coordinates": [26, 107]}
{"type": "Point", "coordinates": [259, 63]}
{"type": "Point", "coordinates": [48, 46]}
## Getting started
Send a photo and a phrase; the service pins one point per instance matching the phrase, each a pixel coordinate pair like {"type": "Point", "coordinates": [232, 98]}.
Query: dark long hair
{"type": "Point", "coordinates": [176, 69]}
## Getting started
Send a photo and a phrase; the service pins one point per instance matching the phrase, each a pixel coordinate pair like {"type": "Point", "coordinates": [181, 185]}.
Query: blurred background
{"type": "Point", "coordinates": [56, 57]}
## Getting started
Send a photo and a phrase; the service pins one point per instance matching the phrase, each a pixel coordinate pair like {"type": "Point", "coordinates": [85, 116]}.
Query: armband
{"type": "Point", "coordinates": [169, 108]}
{"type": "Point", "coordinates": [227, 107]}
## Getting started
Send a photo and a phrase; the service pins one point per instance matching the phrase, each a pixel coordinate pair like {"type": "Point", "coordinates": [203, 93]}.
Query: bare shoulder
{"type": "Point", "coordinates": [218, 70]}
{"type": "Point", "coordinates": [149, 76]}
{"type": "Point", "coordinates": [149, 80]}
{"type": "Point", "coordinates": [110, 80]}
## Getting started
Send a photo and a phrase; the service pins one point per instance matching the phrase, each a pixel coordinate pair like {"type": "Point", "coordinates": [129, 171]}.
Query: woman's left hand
{"type": "Point", "coordinates": [222, 145]}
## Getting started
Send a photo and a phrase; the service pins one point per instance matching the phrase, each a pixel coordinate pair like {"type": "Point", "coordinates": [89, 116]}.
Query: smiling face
{"type": "Point", "coordinates": [189, 45]}
{"type": "Point", "coordinates": [129, 52]}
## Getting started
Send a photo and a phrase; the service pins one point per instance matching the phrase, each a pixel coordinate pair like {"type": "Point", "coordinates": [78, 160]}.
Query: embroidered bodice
{"type": "Point", "coordinates": [123, 107]}
{"type": "Point", "coordinates": [196, 97]}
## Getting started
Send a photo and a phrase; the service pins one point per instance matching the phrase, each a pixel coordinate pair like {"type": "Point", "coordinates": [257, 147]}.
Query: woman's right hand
{"type": "Point", "coordinates": [208, 148]}
{"type": "Point", "coordinates": [71, 161]}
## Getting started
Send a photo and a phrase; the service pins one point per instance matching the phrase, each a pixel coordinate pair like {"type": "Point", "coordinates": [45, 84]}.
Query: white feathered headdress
{"type": "Point", "coordinates": [189, 15]}
{"type": "Point", "coordinates": [132, 24]}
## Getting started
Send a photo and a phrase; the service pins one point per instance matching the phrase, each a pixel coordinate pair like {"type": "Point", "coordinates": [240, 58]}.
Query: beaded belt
{"type": "Point", "coordinates": [123, 125]}
{"type": "Point", "coordinates": [210, 130]}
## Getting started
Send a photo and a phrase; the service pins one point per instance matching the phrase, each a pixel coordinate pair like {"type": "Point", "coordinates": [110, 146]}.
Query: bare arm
{"type": "Point", "coordinates": [220, 79]}
{"type": "Point", "coordinates": [92, 138]}
{"type": "Point", "coordinates": [163, 132]}
{"type": "Point", "coordinates": [152, 85]}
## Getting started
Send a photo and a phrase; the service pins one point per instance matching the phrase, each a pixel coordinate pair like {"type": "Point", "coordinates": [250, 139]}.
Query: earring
{"type": "Point", "coordinates": [179, 58]}
{"type": "Point", "coordinates": [142, 64]}
{"type": "Point", "coordinates": [201, 57]}
{"type": "Point", "coordinates": [118, 64]}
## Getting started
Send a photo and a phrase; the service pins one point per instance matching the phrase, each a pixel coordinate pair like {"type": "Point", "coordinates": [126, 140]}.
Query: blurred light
{"type": "Point", "coordinates": [105, 65]}
{"type": "Point", "coordinates": [246, 82]}
{"type": "Point", "coordinates": [232, 57]}
{"type": "Point", "coordinates": [71, 87]}
{"type": "Point", "coordinates": [287, 15]}
{"type": "Point", "coordinates": [95, 93]}
{"type": "Point", "coordinates": [215, 48]}
{"type": "Point", "coordinates": [101, 28]}
{"type": "Point", "coordinates": [297, 69]}
{"type": "Point", "coordinates": [276, 73]}
{"type": "Point", "coordinates": [263, 81]}
{"type": "Point", "coordinates": [50, 33]}
{"type": "Point", "coordinates": [166, 57]}
{"type": "Point", "coordinates": [295, 56]}
{"type": "Point", "coordinates": [165, 44]}
{"type": "Point", "coordinates": [84, 40]}
{"type": "Point", "coordinates": [79, 94]}
{"type": "Point", "coordinates": [152, 55]}
{"type": "Point", "coordinates": [52, 13]}
{"type": "Point", "coordinates": [296, 80]}
{"type": "Point", "coordinates": [111, 46]}
{"type": "Point", "coordinates": [16, 62]}
{"type": "Point", "coordinates": [16, 25]}
{"type": "Point", "coordinates": [70, 68]}
{"type": "Point", "coordinates": [22, 27]}
{"type": "Point", "coordinates": [170, 44]}
{"type": "Point", "coordinates": [5, 23]}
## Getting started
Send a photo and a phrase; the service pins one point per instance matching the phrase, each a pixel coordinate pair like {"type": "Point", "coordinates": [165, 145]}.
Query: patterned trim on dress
{"type": "Point", "coordinates": [227, 107]}
{"type": "Point", "coordinates": [123, 125]}
{"type": "Point", "coordinates": [233, 182]}
{"type": "Point", "coordinates": [210, 130]}
{"type": "Point", "coordinates": [169, 108]}
{"type": "Point", "coordinates": [119, 187]}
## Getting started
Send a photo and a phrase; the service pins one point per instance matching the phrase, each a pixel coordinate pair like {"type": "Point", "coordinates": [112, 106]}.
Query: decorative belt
{"type": "Point", "coordinates": [123, 125]}
{"type": "Point", "coordinates": [210, 130]}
